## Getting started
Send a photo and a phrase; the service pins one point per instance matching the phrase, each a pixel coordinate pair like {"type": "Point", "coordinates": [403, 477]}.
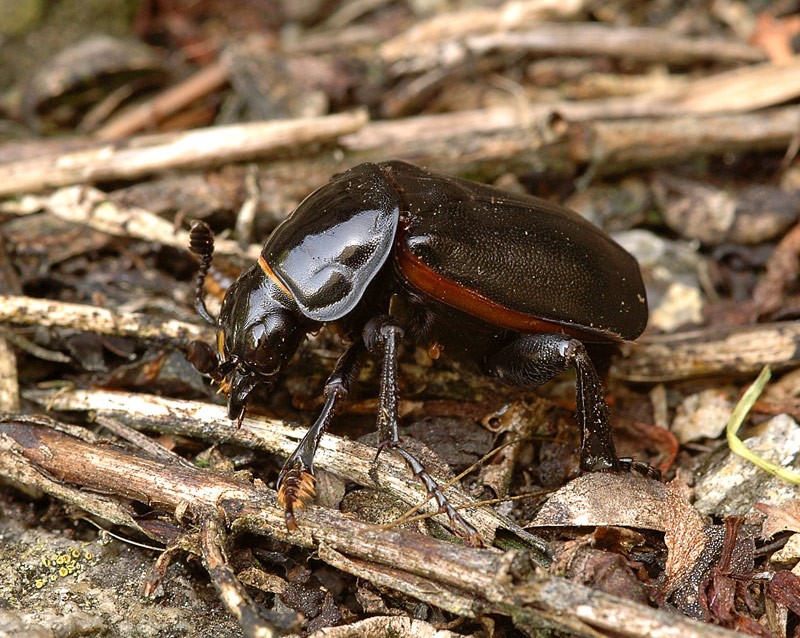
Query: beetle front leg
{"type": "Point", "coordinates": [296, 480]}
{"type": "Point", "coordinates": [381, 335]}
{"type": "Point", "coordinates": [535, 359]}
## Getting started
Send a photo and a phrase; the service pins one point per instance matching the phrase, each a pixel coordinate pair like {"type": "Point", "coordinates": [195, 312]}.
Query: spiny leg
{"type": "Point", "coordinates": [597, 442]}
{"type": "Point", "coordinates": [296, 480]}
{"type": "Point", "coordinates": [381, 335]}
{"type": "Point", "coordinates": [535, 359]}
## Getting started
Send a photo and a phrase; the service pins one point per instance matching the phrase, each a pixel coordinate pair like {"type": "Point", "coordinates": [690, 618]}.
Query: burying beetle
{"type": "Point", "coordinates": [511, 283]}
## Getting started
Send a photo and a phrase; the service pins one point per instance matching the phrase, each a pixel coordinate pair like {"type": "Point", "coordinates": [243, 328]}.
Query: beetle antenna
{"type": "Point", "coordinates": [201, 243]}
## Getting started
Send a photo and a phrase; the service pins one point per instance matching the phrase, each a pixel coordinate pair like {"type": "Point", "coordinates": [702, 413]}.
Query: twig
{"type": "Point", "coordinates": [471, 19]}
{"type": "Point", "coordinates": [594, 39]}
{"type": "Point", "coordinates": [213, 541]}
{"type": "Point", "coordinates": [170, 101]}
{"type": "Point", "coordinates": [247, 212]}
{"type": "Point", "coordinates": [92, 207]}
{"type": "Point", "coordinates": [9, 377]}
{"type": "Point", "coordinates": [141, 441]}
{"type": "Point", "coordinates": [9, 381]}
{"type": "Point", "coordinates": [421, 49]}
{"type": "Point", "coordinates": [442, 596]}
{"type": "Point", "coordinates": [494, 140]}
{"type": "Point", "coordinates": [148, 154]}
{"type": "Point", "coordinates": [728, 351]}
{"type": "Point", "coordinates": [349, 459]}
{"type": "Point", "coordinates": [46, 312]}
{"type": "Point", "coordinates": [26, 345]}
{"type": "Point", "coordinates": [744, 89]}
{"type": "Point", "coordinates": [15, 467]}
{"type": "Point", "coordinates": [498, 582]}
{"type": "Point", "coordinates": [611, 147]}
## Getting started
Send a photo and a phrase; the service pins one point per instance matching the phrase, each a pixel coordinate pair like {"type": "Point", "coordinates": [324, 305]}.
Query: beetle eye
{"type": "Point", "coordinates": [202, 357]}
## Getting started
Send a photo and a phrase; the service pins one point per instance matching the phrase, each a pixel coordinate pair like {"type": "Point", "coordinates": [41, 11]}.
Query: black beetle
{"type": "Point", "coordinates": [509, 282]}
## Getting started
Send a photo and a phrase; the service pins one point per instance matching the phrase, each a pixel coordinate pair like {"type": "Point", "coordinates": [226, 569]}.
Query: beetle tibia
{"type": "Point", "coordinates": [535, 359]}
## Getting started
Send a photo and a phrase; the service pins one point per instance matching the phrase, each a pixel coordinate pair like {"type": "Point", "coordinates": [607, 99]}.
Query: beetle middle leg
{"type": "Point", "coordinates": [535, 359]}
{"type": "Point", "coordinates": [296, 480]}
{"type": "Point", "coordinates": [381, 335]}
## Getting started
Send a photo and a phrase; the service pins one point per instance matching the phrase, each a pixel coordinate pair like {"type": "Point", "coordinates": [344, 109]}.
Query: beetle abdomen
{"type": "Point", "coordinates": [518, 262]}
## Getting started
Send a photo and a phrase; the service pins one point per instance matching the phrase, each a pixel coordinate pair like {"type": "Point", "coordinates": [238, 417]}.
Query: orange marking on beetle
{"type": "Point", "coordinates": [271, 274]}
{"type": "Point", "coordinates": [221, 344]}
{"type": "Point", "coordinates": [450, 292]}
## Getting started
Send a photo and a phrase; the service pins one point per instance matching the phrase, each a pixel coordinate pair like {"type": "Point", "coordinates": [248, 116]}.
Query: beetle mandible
{"type": "Point", "coordinates": [512, 283]}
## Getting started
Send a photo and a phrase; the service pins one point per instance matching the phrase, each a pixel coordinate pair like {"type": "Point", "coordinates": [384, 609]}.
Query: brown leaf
{"type": "Point", "coordinates": [728, 580]}
{"type": "Point", "coordinates": [780, 519]}
{"type": "Point", "coordinates": [684, 535]}
{"type": "Point", "coordinates": [606, 499]}
{"type": "Point", "coordinates": [606, 571]}
{"type": "Point", "coordinates": [782, 269]}
{"type": "Point", "coordinates": [784, 588]}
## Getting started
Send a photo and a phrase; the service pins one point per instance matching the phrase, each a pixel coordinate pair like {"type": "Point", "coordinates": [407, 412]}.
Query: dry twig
{"type": "Point", "coordinates": [170, 101]}
{"type": "Point", "coordinates": [92, 208]}
{"type": "Point", "coordinates": [46, 312]}
{"type": "Point", "coordinates": [495, 582]}
{"type": "Point", "coordinates": [707, 352]}
{"type": "Point", "coordinates": [349, 459]}
{"type": "Point", "coordinates": [148, 154]}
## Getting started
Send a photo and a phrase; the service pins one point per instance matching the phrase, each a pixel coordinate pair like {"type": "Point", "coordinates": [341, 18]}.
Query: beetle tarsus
{"type": "Point", "coordinates": [291, 521]}
{"type": "Point", "coordinates": [381, 334]}
{"type": "Point", "coordinates": [471, 535]}
{"type": "Point", "coordinates": [296, 480]}
{"type": "Point", "coordinates": [296, 487]}
{"type": "Point", "coordinates": [628, 464]}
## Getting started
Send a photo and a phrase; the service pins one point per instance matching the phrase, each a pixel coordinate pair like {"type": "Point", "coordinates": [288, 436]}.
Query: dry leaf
{"type": "Point", "coordinates": [780, 519]}
{"type": "Point", "coordinates": [684, 535]}
{"type": "Point", "coordinates": [606, 499]}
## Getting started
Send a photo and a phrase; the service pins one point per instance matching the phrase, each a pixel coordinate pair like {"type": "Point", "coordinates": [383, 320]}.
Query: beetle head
{"type": "Point", "coordinates": [258, 330]}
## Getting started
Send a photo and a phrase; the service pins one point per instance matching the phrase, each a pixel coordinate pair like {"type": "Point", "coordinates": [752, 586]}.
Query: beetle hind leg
{"type": "Point", "coordinates": [381, 336]}
{"type": "Point", "coordinates": [535, 359]}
